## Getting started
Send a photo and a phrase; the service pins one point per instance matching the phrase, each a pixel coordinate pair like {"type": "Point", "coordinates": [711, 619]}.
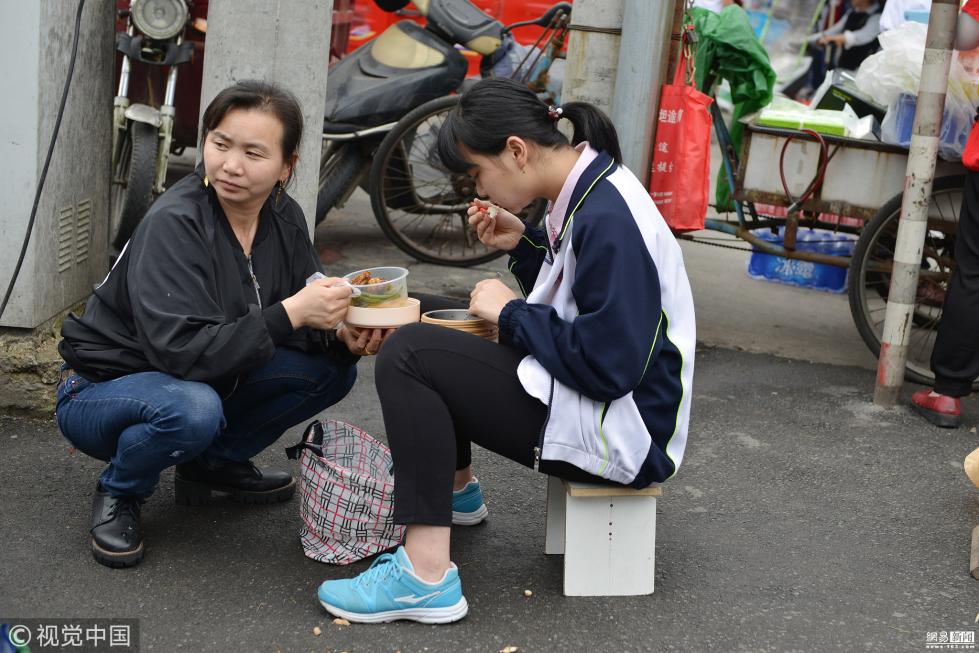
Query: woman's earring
{"type": "Point", "coordinates": [282, 187]}
{"type": "Point", "coordinates": [206, 182]}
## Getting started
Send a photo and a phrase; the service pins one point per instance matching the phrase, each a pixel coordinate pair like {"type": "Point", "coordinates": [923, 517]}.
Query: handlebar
{"type": "Point", "coordinates": [545, 19]}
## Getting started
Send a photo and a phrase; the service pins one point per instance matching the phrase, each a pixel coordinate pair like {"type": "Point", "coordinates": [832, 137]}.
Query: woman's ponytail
{"type": "Point", "coordinates": [592, 125]}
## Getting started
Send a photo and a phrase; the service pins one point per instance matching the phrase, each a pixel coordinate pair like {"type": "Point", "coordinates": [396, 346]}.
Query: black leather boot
{"type": "Point", "coordinates": [117, 538]}
{"type": "Point", "coordinates": [195, 481]}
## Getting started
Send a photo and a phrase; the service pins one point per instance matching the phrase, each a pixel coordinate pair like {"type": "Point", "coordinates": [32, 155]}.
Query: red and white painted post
{"type": "Point", "coordinates": [914, 208]}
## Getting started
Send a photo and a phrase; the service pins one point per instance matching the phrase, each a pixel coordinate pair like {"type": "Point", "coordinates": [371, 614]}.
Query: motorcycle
{"type": "Point", "coordinates": [385, 103]}
{"type": "Point", "coordinates": [154, 35]}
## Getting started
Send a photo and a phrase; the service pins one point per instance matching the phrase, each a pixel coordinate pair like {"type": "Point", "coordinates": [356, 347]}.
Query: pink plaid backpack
{"type": "Point", "coordinates": [347, 493]}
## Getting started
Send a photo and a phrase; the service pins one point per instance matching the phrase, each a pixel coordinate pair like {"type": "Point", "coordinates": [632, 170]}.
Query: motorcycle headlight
{"type": "Point", "coordinates": [159, 19]}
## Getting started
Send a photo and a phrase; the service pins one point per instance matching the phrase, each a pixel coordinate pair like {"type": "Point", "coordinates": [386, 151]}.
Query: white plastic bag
{"type": "Point", "coordinates": [896, 68]}
{"type": "Point", "coordinates": [892, 76]}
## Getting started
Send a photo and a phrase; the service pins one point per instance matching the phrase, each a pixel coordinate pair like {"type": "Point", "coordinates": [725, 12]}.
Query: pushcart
{"type": "Point", "coordinates": [784, 180]}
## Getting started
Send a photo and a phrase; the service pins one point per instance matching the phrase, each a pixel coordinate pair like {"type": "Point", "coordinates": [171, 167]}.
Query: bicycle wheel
{"type": "Point", "coordinates": [872, 263]}
{"type": "Point", "coordinates": [418, 203]}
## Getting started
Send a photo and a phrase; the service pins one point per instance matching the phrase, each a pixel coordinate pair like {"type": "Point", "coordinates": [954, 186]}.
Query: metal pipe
{"type": "Point", "coordinates": [171, 89]}
{"type": "Point", "coordinates": [912, 227]}
{"type": "Point", "coordinates": [124, 78]}
{"type": "Point", "coordinates": [766, 247]}
{"type": "Point", "coordinates": [349, 136]}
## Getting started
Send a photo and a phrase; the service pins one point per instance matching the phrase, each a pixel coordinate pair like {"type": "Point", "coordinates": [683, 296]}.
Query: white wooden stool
{"type": "Point", "coordinates": [607, 535]}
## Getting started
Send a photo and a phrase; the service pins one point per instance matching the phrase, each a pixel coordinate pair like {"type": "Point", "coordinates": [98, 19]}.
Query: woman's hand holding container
{"type": "Point", "coordinates": [322, 304]}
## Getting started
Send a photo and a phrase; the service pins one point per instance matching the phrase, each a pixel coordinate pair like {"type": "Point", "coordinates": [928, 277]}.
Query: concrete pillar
{"type": "Point", "coordinates": [67, 252]}
{"type": "Point", "coordinates": [593, 52]}
{"type": "Point", "coordinates": [642, 68]}
{"type": "Point", "coordinates": [281, 41]}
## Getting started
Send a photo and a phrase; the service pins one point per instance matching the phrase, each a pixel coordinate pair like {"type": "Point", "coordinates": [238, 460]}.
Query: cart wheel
{"type": "Point", "coordinates": [870, 274]}
{"type": "Point", "coordinates": [419, 204]}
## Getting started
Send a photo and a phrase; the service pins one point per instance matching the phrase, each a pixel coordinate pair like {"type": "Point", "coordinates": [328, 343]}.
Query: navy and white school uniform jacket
{"type": "Point", "coordinates": [609, 327]}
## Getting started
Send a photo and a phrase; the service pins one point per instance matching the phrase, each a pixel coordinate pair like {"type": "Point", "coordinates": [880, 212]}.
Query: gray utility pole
{"type": "Point", "coordinates": [281, 41]}
{"type": "Point", "coordinates": [914, 207]}
{"type": "Point", "coordinates": [593, 52]}
{"type": "Point", "coordinates": [618, 55]}
{"type": "Point", "coordinates": [643, 61]}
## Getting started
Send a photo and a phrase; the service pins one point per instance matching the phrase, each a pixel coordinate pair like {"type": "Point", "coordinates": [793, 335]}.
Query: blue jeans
{"type": "Point", "coordinates": [146, 422]}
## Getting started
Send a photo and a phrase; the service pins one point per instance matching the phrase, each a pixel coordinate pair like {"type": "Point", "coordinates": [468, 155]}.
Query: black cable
{"type": "Point", "coordinates": [47, 160]}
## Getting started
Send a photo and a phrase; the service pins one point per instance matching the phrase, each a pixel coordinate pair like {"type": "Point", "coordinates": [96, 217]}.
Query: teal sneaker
{"type": "Point", "coordinates": [389, 591]}
{"type": "Point", "coordinates": [468, 508]}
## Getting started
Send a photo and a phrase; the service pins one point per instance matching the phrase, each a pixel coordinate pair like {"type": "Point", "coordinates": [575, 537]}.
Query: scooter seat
{"type": "Point", "coordinates": [383, 80]}
{"type": "Point", "coordinates": [466, 24]}
{"type": "Point", "coordinates": [406, 45]}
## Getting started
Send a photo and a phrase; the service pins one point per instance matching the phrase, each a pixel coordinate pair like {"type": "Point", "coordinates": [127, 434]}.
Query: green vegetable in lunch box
{"type": "Point", "coordinates": [383, 294]}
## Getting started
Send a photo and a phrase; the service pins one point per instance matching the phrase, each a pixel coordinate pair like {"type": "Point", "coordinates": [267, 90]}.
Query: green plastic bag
{"type": "Point", "coordinates": [728, 49]}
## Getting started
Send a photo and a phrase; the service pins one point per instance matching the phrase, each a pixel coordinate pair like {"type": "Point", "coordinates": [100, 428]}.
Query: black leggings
{"type": "Point", "coordinates": [955, 358]}
{"type": "Point", "coordinates": [442, 389]}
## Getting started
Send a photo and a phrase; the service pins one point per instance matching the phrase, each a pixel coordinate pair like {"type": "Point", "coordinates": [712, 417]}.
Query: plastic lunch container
{"type": "Point", "coordinates": [394, 286]}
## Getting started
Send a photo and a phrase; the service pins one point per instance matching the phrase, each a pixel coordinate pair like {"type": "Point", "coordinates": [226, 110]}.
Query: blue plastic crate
{"type": "Point", "coordinates": [956, 125]}
{"type": "Point", "coordinates": [805, 274]}
{"type": "Point", "coordinates": [917, 16]}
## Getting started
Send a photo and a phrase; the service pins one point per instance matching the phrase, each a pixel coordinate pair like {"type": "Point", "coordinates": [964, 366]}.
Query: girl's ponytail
{"type": "Point", "coordinates": [592, 125]}
{"type": "Point", "coordinates": [496, 108]}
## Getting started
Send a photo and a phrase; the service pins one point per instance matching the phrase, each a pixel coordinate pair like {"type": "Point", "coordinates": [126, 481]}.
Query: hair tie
{"type": "Point", "coordinates": [554, 112]}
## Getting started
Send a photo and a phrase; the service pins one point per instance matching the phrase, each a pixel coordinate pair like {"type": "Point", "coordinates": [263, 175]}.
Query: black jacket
{"type": "Point", "coordinates": [181, 298]}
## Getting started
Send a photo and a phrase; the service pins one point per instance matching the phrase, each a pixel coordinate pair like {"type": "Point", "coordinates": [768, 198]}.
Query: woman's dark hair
{"type": "Point", "coordinates": [497, 108]}
{"type": "Point", "coordinates": [263, 96]}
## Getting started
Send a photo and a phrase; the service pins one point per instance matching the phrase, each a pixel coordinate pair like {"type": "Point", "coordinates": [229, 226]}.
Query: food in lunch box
{"type": "Point", "coordinates": [378, 287]}
{"type": "Point", "coordinates": [383, 296]}
{"type": "Point", "coordinates": [379, 294]}
{"type": "Point", "coordinates": [365, 278]}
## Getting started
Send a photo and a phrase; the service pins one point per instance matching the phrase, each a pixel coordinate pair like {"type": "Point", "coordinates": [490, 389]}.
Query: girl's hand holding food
{"type": "Point", "coordinates": [362, 342]}
{"type": "Point", "coordinates": [488, 299]}
{"type": "Point", "coordinates": [495, 227]}
{"type": "Point", "coordinates": [322, 304]}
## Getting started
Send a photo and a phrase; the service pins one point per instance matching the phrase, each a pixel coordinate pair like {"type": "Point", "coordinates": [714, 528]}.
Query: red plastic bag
{"type": "Point", "coordinates": [679, 182]}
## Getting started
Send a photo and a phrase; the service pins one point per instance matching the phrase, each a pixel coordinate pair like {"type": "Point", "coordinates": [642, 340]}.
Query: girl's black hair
{"type": "Point", "coordinates": [263, 96]}
{"type": "Point", "coordinates": [496, 108]}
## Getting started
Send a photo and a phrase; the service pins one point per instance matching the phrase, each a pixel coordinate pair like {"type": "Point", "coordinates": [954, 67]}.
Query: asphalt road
{"type": "Point", "coordinates": [802, 519]}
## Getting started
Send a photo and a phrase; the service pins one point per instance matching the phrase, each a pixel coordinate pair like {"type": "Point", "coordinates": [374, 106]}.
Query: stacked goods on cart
{"type": "Point", "coordinates": [789, 114]}
{"type": "Point", "coordinates": [891, 76]}
{"type": "Point", "coordinates": [805, 274]}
